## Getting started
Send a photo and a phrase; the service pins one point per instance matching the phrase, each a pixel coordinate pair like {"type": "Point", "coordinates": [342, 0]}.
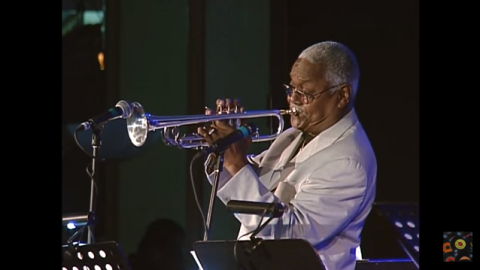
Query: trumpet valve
{"type": "Point", "coordinates": [175, 131]}
{"type": "Point", "coordinates": [192, 141]}
{"type": "Point", "coordinates": [255, 132]}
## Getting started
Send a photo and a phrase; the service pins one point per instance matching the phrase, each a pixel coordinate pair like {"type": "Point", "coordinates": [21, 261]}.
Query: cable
{"type": "Point", "coordinates": [88, 169]}
{"type": "Point", "coordinates": [82, 230]}
{"type": "Point", "coordinates": [250, 232]}
{"type": "Point", "coordinates": [195, 192]}
{"type": "Point", "coordinates": [72, 238]}
{"type": "Point", "coordinates": [75, 136]}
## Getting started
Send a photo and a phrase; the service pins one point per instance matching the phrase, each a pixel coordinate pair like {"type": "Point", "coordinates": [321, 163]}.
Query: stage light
{"type": "Point", "coordinates": [101, 60]}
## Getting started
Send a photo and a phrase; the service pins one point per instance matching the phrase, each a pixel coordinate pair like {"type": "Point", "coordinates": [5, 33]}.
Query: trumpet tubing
{"type": "Point", "coordinates": [140, 123]}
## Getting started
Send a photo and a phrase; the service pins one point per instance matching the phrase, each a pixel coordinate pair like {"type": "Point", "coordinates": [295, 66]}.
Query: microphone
{"type": "Point", "coordinates": [121, 110]}
{"type": "Point", "coordinates": [221, 145]}
{"type": "Point", "coordinates": [256, 208]}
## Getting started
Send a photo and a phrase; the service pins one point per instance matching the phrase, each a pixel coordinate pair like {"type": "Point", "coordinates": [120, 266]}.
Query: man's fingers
{"type": "Point", "coordinates": [237, 103]}
{"type": "Point", "coordinates": [228, 103]}
{"type": "Point", "coordinates": [202, 132]}
{"type": "Point", "coordinates": [227, 106]}
{"type": "Point", "coordinates": [209, 111]}
{"type": "Point", "coordinates": [205, 133]}
{"type": "Point", "coordinates": [223, 127]}
{"type": "Point", "coordinates": [243, 121]}
{"type": "Point", "coordinates": [220, 104]}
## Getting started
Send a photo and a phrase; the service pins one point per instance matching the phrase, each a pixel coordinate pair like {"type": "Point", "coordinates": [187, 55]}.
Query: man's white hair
{"type": "Point", "coordinates": [340, 63]}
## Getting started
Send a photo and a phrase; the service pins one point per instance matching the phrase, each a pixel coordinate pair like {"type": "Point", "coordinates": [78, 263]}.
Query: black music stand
{"type": "Point", "coordinates": [284, 254]}
{"type": "Point", "coordinates": [106, 255]}
{"type": "Point", "coordinates": [405, 218]}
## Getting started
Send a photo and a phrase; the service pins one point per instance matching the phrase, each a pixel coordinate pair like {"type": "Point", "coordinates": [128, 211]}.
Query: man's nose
{"type": "Point", "coordinates": [293, 99]}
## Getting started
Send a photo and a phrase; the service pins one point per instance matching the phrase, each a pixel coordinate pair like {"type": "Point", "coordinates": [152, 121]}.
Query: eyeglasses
{"type": "Point", "coordinates": [306, 98]}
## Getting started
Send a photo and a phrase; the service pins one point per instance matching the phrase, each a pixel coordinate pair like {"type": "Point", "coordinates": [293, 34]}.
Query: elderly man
{"type": "Point", "coordinates": [323, 168]}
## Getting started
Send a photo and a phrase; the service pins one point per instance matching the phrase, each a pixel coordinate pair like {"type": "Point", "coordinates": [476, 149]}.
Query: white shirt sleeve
{"type": "Point", "coordinates": [325, 203]}
{"type": "Point", "coordinates": [225, 175]}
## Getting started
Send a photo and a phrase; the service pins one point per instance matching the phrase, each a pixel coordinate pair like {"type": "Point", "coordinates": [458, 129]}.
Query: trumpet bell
{"type": "Point", "coordinates": [137, 125]}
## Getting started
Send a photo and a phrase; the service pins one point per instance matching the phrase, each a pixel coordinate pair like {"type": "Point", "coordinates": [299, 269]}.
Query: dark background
{"type": "Point", "coordinates": [383, 34]}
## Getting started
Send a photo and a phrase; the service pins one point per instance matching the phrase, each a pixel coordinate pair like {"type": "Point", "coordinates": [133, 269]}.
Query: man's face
{"type": "Point", "coordinates": [309, 78]}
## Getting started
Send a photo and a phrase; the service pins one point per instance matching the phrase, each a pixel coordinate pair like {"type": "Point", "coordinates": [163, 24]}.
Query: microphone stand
{"type": "Point", "coordinates": [96, 143]}
{"type": "Point", "coordinates": [218, 167]}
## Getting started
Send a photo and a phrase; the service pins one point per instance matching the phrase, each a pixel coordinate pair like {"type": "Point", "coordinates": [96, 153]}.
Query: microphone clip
{"type": "Point", "coordinates": [256, 242]}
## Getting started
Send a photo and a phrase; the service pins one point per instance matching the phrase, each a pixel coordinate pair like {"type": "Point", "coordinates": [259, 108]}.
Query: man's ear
{"type": "Point", "coordinates": [344, 95]}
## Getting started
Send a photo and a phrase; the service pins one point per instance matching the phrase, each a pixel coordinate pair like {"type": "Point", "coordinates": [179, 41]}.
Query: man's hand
{"type": "Point", "coordinates": [235, 158]}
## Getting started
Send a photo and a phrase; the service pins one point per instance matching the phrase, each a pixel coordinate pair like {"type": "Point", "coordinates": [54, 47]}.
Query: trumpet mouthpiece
{"type": "Point", "coordinates": [291, 111]}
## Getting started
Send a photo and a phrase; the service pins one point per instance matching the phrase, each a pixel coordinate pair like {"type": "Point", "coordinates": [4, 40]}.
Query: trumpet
{"type": "Point", "coordinates": [140, 123]}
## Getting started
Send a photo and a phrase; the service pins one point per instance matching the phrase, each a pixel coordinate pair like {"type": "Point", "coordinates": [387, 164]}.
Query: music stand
{"type": "Point", "coordinates": [284, 254]}
{"type": "Point", "coordinates": [106, 255]}
{"type": "Point", "coordinates": [405, 218]}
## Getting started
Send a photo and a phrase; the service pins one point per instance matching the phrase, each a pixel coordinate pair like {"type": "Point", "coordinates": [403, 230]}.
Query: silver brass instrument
{"type": "Point", "coordinates": [140, 123]}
